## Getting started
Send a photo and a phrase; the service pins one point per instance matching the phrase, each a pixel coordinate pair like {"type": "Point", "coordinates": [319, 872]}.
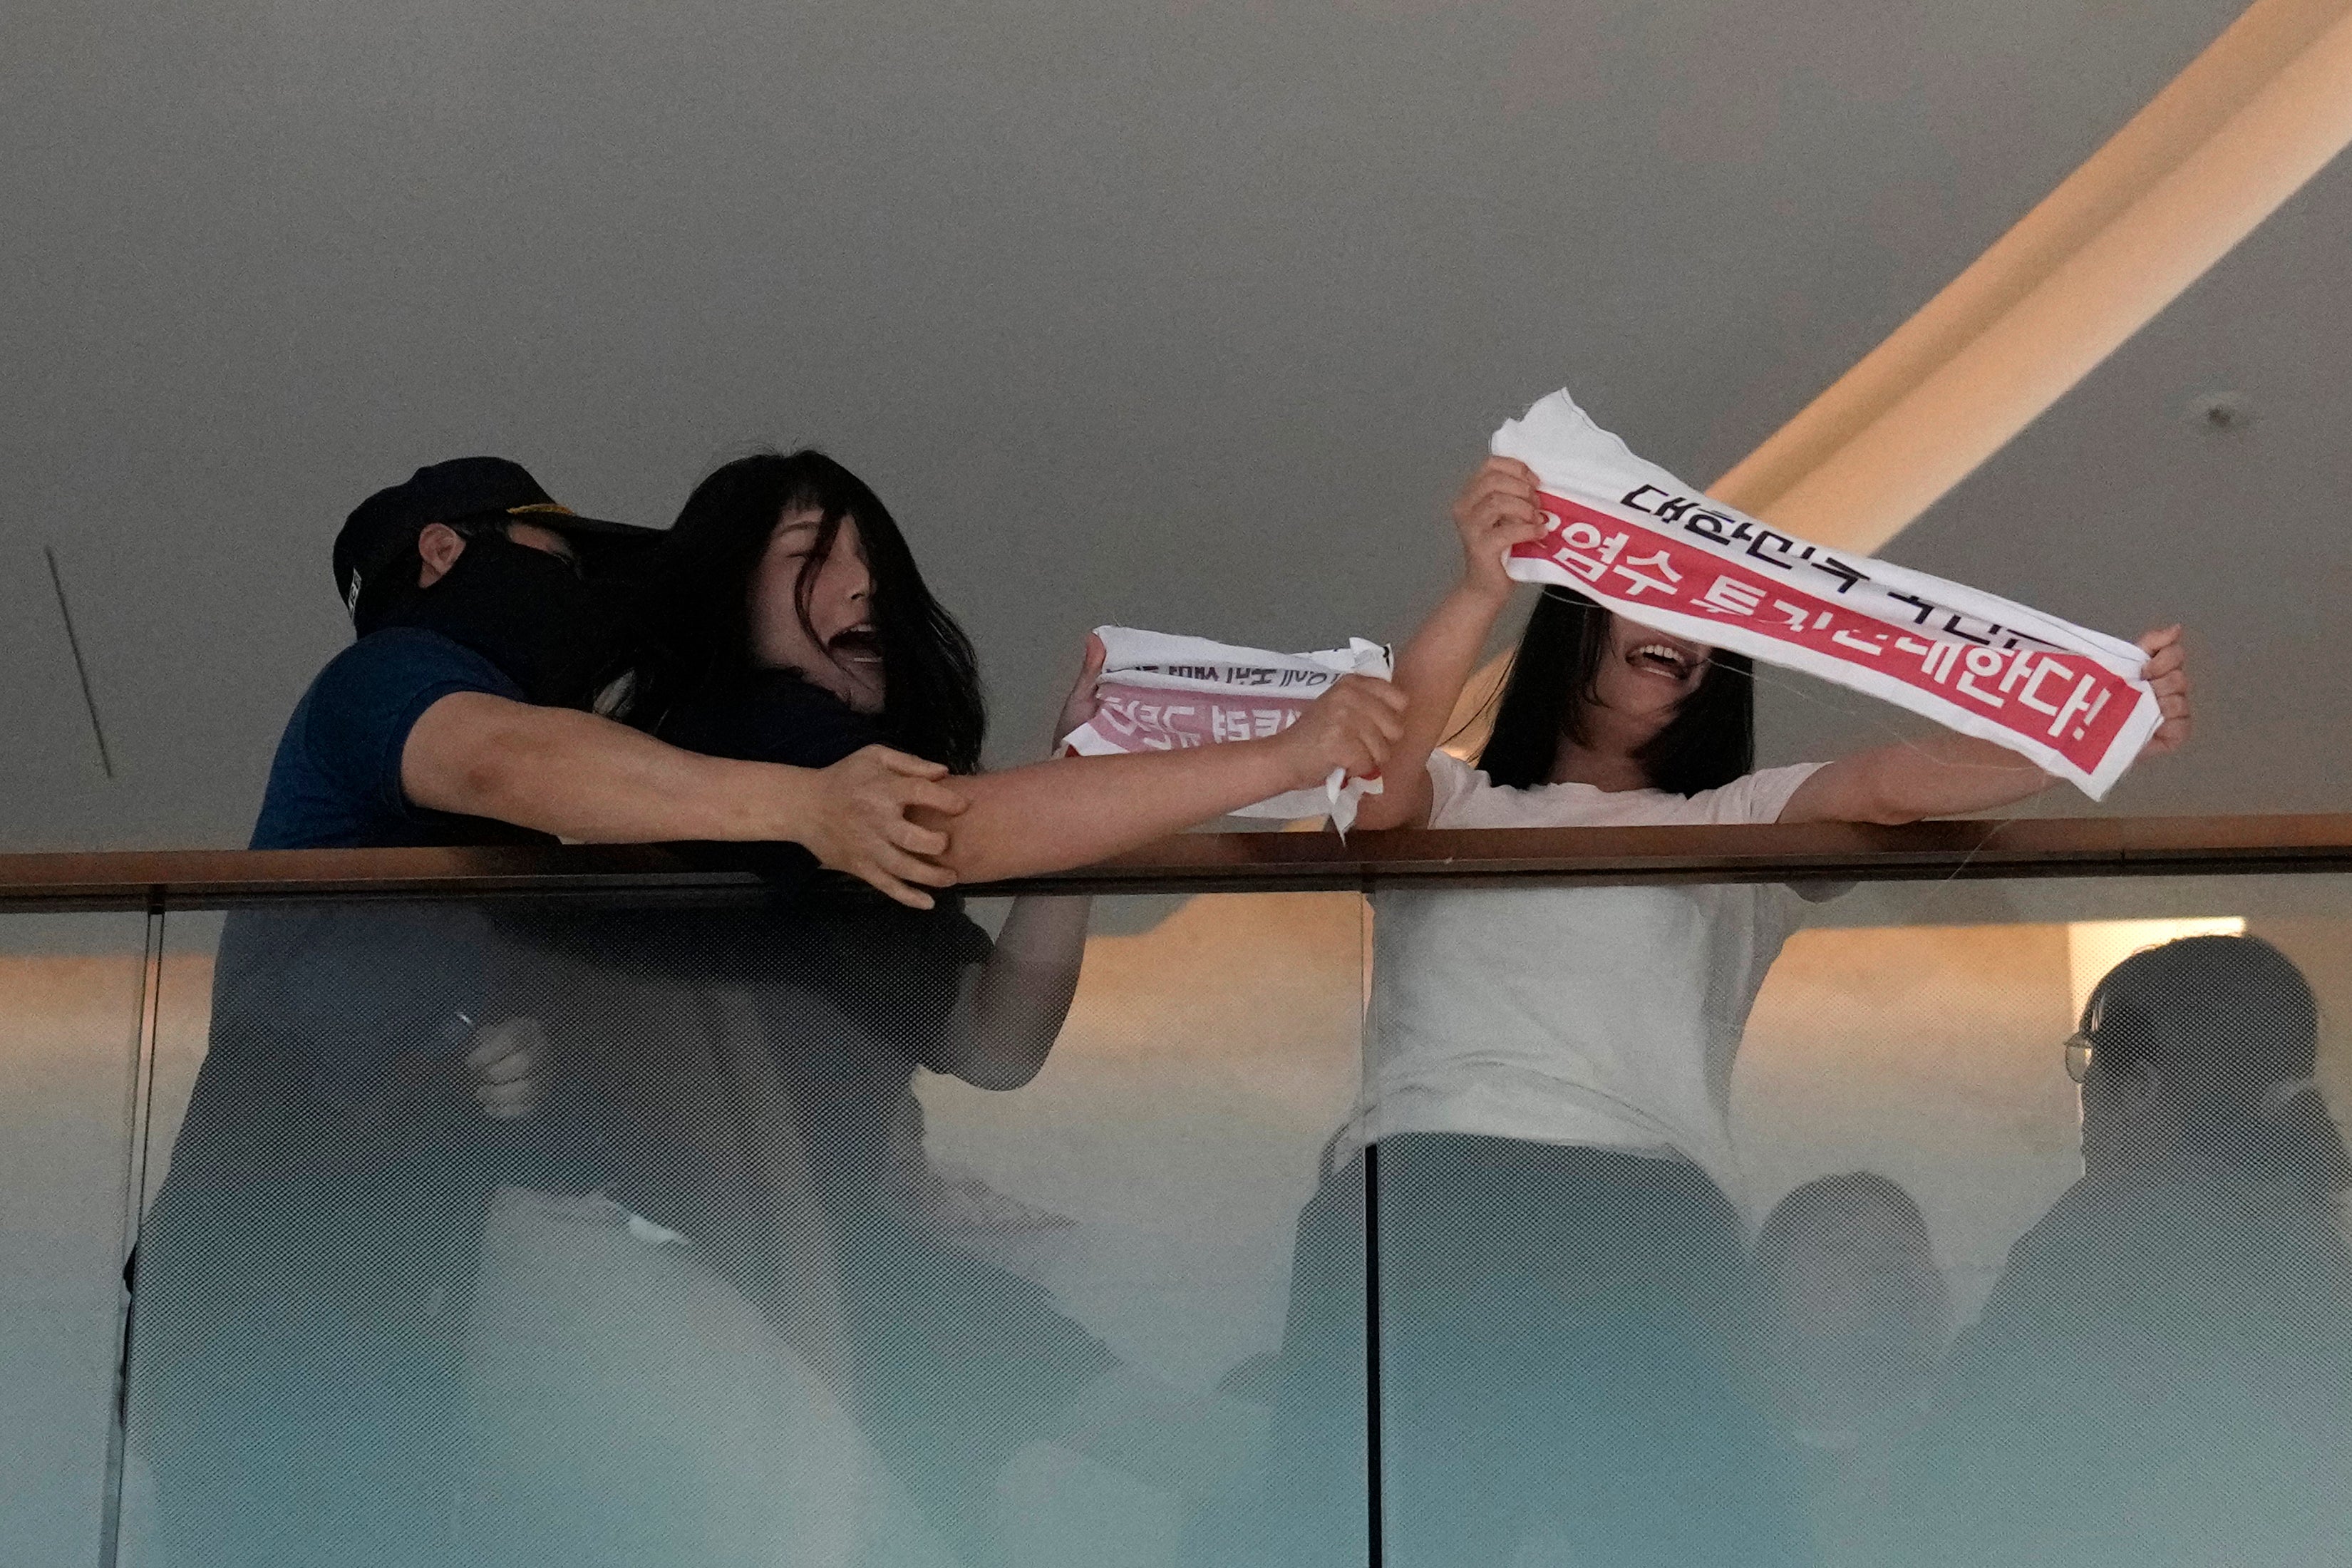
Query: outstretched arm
{"type": "Point", "coordinates": [1497, 510]}
{"type": "Point", "coordinates": [1947, 775]}
{"type": "Point", "coordinates": [1073, 811]}
{"type": "Point", "coordinates": [592, 780]}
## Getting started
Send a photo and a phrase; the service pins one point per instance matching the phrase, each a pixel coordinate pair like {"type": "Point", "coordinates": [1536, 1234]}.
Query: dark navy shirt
{"type": "Point", "coordinates": [769, 716]}
{"type": "Point", "coordinates": [327, 1164]}
{"type": "Point", "coordinates": [853, 989]}
{"type": "Point", "coordinates": [347, 988]}
{"type": "Point", "coordinates": [335, 783]}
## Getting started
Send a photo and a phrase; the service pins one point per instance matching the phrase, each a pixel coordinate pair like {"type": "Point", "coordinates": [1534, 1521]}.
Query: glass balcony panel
{"type": "Point", "coordinates": [1152, 1179]}
{"type": "Point", "coordinates": [308, 1247]}
{"type": "Point", "coordinates": [741, 1272]}
{"type": "Point", "coordinates": [1950, 1342]}
{"type": "Point", "coordinates": [526, 1232]}
{"type": "Point", "coordinates": [70, 992]}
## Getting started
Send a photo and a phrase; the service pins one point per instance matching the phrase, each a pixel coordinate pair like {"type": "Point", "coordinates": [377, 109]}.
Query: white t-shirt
{"type": "Point", "coordinates": [1606, 1017]}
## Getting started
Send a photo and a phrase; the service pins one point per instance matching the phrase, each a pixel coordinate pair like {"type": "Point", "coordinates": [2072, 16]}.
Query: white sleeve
{"type": "Point", "coordinates": [1451, 783]}
{"type": "Point", "coordinates": [1758, 797]}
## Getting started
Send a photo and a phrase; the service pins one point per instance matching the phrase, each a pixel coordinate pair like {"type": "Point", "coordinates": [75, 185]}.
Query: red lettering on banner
{"type": "Point", "coordinates": [2063, 700]}
{"type": "Point", "coordinates": [1154, 718]}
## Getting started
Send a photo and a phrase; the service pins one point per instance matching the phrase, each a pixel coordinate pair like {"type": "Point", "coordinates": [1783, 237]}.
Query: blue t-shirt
{"type": "Point", "coordinates": [335, 781]}
{"type": "Point", "coordinates": [348, 987]}
{"type": "Point", "coordinates": [320, 1126]}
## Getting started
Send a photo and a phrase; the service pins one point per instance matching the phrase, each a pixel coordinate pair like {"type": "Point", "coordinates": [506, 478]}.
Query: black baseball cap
{"type": "Point", "coordinates": [382, 532]}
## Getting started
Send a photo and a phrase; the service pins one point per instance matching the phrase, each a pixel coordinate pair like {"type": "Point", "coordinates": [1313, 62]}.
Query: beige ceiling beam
{"type": "Point", "coordinates": [2245, 126]}
{"type": "Point", "coordinates": [2240, 131]}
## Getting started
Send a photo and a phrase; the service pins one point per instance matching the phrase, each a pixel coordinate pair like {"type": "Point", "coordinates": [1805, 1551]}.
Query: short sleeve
{"type": "Point", "coordinates": [1758, 797]}
{"type": "Point", "coordinates": [1451, 783]}
{"type": "Point", "coordinates": [366, 701]}
{"type": "Point", "coordinates": [336, 782]}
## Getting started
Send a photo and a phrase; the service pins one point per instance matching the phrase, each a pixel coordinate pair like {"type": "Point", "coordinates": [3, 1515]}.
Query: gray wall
{"type": "Point", "coordinates": [1187, 315]}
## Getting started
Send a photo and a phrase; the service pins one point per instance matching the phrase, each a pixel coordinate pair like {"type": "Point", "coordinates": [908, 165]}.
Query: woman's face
{"type": "Point", "coordinates": [844, 656]}
{"type": "Point", "coordinates": [1647, 674]}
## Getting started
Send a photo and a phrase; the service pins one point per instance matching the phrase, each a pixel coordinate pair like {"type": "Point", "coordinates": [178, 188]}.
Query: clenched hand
{"type": "Point", "coordinates": [1352, 726]}
{"type": "Point", "coordinates": [1497, 510]}
{"type": "Point", "coordinates": [2167, 674]}
{"type": "Point", "coordinates": [508, 1065]}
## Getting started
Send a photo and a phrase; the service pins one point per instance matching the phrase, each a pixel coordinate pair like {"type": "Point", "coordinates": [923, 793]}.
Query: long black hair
{"type": "Point", "coordinates": [1710, 740]}
{"type": "Point", "coordinates": [2230, 1027]}
{"type": "Point", "coordinates": [696, 606]}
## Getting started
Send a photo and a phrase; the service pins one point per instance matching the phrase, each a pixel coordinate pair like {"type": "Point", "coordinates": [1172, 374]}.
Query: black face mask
{"type": "Point", "coordinates": [524, 610]}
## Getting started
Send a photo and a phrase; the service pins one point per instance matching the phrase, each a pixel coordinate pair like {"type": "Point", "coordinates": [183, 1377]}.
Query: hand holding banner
{"type": "Point", "coordinates": [1635, 539]}
{"type": "Point", "coordinates": [1163, 693]}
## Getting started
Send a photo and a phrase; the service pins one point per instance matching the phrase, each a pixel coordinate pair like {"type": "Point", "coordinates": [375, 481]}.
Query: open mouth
{"type": "Point", "coordinates": [855, 646]}
{"type": "Point", "coordinates": [1661, 659]}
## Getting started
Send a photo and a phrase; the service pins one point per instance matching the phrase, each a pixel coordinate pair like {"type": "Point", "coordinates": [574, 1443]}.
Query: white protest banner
{"type": "Point", "coordinates": [1163, 693]}
{"type": "Point", "coordinates": [1631, 536]}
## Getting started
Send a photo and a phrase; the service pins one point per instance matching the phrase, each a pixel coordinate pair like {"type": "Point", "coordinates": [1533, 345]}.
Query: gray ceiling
{"type": "Point", "coordinates": [1187, 315]}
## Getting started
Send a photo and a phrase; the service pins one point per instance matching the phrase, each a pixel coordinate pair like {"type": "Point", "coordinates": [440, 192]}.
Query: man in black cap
{"type": "Point", "coordinates": [455, 718]}
{"type": "Point", "coordinates": [302, 1280]}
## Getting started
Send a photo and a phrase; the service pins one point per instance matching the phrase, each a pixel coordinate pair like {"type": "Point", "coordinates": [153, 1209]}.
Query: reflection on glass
{"type": "Point", "coordinates": [689, 1231]}
{"type": "Point", "coordinates": [1565, 1304]}
{"type": "Point", "coordinates": [70, 988]}
{"type": "Point", "coordinates": [522, 1234]}
{"type": "Point", "coordinates": [2162, 1372]}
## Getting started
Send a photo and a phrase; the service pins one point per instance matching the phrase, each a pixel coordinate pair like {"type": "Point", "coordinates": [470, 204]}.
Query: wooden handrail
{"type": "Point", "coordinates": [1245, 862]}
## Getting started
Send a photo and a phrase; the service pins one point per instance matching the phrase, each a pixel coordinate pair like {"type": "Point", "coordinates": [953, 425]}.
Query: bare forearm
{"type": "Point", "coordinates": [1953, 774]}
{"type": "Point", "coordinates": [1430, 672]}
{"type": "Point", "coordinates": [1074, 811]}
{"type": "Point", "coordinates": [1010, 1015]}
{"type": "Point", "coordinates": [585, 778]}
{"type": "Point", "coordinates": [1943, 775]}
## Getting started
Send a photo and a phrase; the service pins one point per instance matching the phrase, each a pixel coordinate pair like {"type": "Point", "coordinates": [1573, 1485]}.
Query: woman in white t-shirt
{"type": "Point", "coordinates": [1543, 1132]}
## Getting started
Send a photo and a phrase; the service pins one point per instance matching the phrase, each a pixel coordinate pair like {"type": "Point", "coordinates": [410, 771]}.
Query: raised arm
{"type": "Point", "coordinates": [1497, 510]}
{"type": "Point", "coordinates": [592, 780]}
{"type": "Point", "coordinates": [1947, 775]}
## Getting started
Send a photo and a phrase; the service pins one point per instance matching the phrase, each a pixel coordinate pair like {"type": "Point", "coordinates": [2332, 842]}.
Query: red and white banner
{"type": "Point", "coordinates": [1631, 536]}
{"type": "Point", "coordinates": [1163, 693]}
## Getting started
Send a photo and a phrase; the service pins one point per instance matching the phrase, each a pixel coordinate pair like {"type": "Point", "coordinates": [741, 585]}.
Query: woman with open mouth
{"type": "Point", "coordinates": [752, 1070]}
{"type": "Point", "coordinates": [1562, 1282]}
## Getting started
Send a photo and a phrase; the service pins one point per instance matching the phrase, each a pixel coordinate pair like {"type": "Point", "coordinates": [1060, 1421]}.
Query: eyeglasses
{"type": "Point", "coordinates": [2078, 1056]}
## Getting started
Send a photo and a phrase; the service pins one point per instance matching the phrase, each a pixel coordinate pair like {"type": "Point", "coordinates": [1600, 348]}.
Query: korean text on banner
{"type": "Point", "coordinates": [1631, 536]}
{"type": "Point", "coordinates": [1163, 693]}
